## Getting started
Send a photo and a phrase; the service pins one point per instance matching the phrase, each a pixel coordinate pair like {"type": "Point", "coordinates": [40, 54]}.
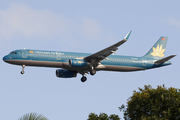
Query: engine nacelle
{"type": "Point", "coordinates": [65, 73]}
{"type": "Point", "coordinates": [77, 63]}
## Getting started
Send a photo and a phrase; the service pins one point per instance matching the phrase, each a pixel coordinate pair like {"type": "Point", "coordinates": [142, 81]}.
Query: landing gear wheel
{"type": "Point", "coordinates": [22, 72]}
{"type": "Point", "coordinates": [93, 72]}
{"type": "Point", "coordinates": [83, 79]}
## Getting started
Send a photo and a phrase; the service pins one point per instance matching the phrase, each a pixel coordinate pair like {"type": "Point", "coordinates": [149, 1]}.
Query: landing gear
{"type": "Point", "coordinates": [22, 72]}
{"type": "Point", "coordinates": [93, 72]}
{"type": "Point", "coordinates": [83, 73]}
{"type": "Point", "coordinates": [83, 79]}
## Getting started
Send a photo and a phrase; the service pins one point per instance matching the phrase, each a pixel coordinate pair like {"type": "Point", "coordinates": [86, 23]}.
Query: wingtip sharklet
{"type": "Point", "coordinates": [127, 36]}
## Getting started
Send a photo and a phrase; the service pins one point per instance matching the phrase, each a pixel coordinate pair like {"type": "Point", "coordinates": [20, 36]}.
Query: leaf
{"type": "Point", "coordinates": [153, 54]}
{"type": "Point", "coordinates": [33, 116]}
{"type": "Point", "coordinates": [157, 49]}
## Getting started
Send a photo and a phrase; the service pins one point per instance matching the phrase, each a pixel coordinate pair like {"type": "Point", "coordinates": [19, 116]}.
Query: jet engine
{"type": "Point", "coordinates": [77, 63]}
{"type": "Point", "coordinates": [65, 73]}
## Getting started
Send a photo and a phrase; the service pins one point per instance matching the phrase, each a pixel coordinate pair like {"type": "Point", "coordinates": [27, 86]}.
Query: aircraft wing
{"type": "Point", "coordinates": [103, 54]}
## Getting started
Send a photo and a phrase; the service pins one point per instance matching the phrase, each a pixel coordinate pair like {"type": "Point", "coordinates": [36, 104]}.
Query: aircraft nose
{"type": "Point", "coordinates": [5, 58]}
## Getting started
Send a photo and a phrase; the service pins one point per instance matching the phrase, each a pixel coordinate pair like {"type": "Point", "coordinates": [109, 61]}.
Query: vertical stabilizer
{"type": "Point", "coordinates": [158, 50]}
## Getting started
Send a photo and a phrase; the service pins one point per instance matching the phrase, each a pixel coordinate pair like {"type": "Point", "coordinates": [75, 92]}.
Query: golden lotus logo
{"type": "Point", "coordinates": [31, 51]}
{"type": "Point", "coordinates": [158, 51]}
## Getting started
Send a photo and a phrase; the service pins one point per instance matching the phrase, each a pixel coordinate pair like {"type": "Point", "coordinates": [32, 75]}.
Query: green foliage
{"type": "Point", "coordinates": [114, 117]}
{"type": "Point", "coordinates": [103, 116]}
{"type": "Point", "coordinates": [153, 104]}
{"type": "Point", "coordinates": [33, 116]}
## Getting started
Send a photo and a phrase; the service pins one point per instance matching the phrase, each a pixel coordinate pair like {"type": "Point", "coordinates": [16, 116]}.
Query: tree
{"type": "Point", "coordinates": [103, 116]}
{"type": "Point", "coordinates": [153, 104]}
{"type": "Point", "coordinates": [33, 116]}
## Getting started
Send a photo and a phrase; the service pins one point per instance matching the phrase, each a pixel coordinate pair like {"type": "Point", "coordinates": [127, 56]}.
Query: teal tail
{"type": "Point", "coordinates": [158, 50]}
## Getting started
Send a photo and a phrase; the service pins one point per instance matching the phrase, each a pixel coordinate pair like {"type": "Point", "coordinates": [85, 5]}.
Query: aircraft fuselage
{"type": "Point", "coordinates": [59, 59]}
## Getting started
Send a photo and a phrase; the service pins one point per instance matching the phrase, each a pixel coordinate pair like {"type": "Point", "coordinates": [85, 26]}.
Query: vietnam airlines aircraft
{"type": "Point", "coordinates": [84, 63]}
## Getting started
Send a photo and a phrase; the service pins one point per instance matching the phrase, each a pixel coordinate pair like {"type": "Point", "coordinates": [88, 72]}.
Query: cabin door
{"type": "Point", "coordinates": [144, 61]}
{"type": "Point", "coordinates": [24, 54]}
{"type": "Point", "coordinates": [58, 56]}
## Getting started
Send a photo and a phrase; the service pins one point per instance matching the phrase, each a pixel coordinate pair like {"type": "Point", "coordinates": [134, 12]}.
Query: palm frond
{"type": "Point", "coordinates": [33, 116]}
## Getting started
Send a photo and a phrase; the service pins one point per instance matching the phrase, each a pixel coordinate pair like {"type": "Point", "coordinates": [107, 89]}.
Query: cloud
{"type": "Point", "coordinates": [174, 22]}
{"type": "Point", "coordinates": [21, 21]}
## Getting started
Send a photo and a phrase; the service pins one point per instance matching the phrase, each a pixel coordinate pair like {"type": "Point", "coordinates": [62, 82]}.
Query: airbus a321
{"type": "Point", "coordinates": [84, 63]}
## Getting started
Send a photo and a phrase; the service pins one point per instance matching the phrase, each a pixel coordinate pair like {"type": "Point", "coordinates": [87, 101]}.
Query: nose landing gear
{"type": "Point", "coordinates": [22, 72]}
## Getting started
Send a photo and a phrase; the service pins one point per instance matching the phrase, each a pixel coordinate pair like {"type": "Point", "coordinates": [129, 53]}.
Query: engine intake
{"type": "Point", "coordinates": [65, 73]}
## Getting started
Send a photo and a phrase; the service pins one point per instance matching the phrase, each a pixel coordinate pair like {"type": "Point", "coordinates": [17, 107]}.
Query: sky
{"type": "Point", "coordinates": [88, 27]}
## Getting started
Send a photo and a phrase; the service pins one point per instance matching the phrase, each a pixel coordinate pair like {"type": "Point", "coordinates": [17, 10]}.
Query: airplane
{"type": "Point", "coordinates": [84, 63]}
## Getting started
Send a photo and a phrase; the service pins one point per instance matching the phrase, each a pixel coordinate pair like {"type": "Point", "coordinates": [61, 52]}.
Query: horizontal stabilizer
{"type": "Point", "coordinates": [161, 61]}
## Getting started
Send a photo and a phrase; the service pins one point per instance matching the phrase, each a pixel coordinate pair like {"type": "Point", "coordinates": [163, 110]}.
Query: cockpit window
{"type": "Point", "coordinates": [13, 53]}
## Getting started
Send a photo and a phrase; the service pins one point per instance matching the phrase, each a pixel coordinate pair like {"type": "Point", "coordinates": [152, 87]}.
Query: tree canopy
{"type": "Point", "coordinates": [103, 116]}
{"type": "Point", "coordinates": [33, 116]}
{"type": "Point", "coordinates": [153, 104]}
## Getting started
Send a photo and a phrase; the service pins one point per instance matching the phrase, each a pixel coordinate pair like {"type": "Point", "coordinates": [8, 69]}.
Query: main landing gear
{"type": "Point", "coordinates": [22, 72]}
{"type": "Point", "coordinates": [83, 73]}
{"type": "Point", "coordinates": [93, 72]}
{"type": "Point", "coordinates": [83, 79]}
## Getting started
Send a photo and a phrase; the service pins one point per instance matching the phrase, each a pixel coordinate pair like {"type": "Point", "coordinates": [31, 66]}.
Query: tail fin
{"type": "Point", "coordinates": [157, 51]}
